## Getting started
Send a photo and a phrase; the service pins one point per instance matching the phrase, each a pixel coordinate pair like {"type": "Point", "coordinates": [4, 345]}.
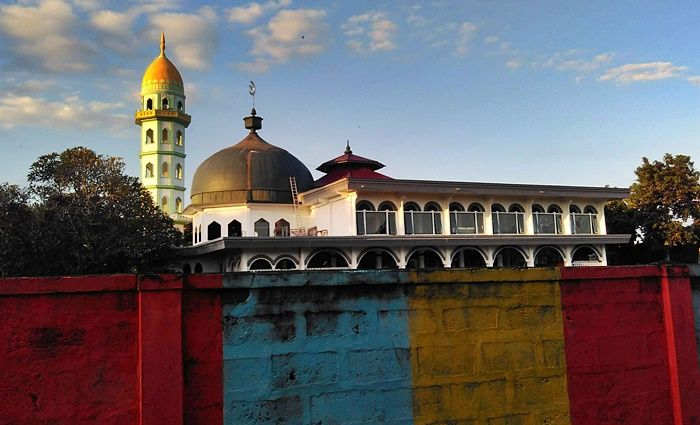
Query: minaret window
{"type": "Point", "coordinates": [178, 171]}
{"type": "Point", "coordinates": [166, 171]}
{"type": "Point", "coordinates": [262, 228]}
{"type": "Point", "coordinates": [234, 229]}
{"type": "Point", "coordinates": [149, 170]}
{"type": "Point", "coordinates": [178, 205]}
{"type": "Point", "coordinates": [164, 203]}
{"type": "Point", "coordinates": [213, 231]}
{"type": "Point", "coordinates": [165, 103]}
{"type": "Point", "coordinates": [149, 105]}
{"type": "Point", "coordinates": [178, 140]}
{"type": "Point", "coordinates": [164, 137]}
{"type": "Point", "coordinates": [282, 228]}
{"type": "Point", "coordinates": [179, 106]}
{"type": "Point", "coordinates": [149, 136]}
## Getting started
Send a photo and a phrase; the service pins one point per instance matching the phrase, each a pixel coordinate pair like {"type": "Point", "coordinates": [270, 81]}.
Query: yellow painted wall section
{"type": "Point", "coordinates": [487, 348]}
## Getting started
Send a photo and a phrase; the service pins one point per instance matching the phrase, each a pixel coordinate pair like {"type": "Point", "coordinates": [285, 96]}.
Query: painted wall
{"type": "Point", "coordinates": [487, 347]}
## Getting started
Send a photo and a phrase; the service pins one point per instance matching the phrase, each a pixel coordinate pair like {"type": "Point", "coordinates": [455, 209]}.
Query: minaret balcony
{"type": "Point", "coordinates": [167, 114]}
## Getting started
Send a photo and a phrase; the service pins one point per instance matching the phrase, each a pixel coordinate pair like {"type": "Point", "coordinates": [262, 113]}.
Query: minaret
{"type": "Point", "coordinates": [163, 122]}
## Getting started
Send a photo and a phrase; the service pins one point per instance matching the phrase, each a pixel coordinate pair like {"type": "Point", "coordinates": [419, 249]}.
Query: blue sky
{"type": "Point", "coordinates": [526, 92]}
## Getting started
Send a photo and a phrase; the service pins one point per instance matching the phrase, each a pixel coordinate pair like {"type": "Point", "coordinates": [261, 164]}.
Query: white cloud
{"type": "Point", "coordinates": [43, 35]}
{"type": "Point", "coordinates": [72, 111]}
{"type": "Point", "coordinates": [288, 35]}
{"type": "Point", "coordinates": [191, 38]}
{"type": "Point", "coordinates": [465, 35]}
{"type": "Point", "coordinates": [370, 32]}
{"type": "Point", "coordinates": [572, 60]}
{"type": "Point", "coordinates": [694, 80]}
{"type": "Point", "coordinates": [252, 11]}
{"type": "Point", "coordinates": [514, 64]}
{"type": "Point", "coordinates": [491, 39]}
{"type": "Point", "coordinates": [638, 72]}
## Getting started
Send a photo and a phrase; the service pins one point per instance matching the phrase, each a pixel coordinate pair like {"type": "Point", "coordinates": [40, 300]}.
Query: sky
{"type": "Point", "coordinates": [546, 92]}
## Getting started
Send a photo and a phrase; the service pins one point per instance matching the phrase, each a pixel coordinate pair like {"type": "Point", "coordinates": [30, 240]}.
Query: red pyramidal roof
{"type": "Point", "coordinates": [350, 165]}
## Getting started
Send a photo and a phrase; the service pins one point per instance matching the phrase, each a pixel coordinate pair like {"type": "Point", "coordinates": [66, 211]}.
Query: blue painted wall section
{"type": "Point", "coordinates": [295, 355]}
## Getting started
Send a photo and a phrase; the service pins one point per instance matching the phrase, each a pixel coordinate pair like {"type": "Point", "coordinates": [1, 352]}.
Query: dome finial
{"type": "Point", "coordinates": [348, 151]}
{"type": "Point", "coordinates": [162, 43]}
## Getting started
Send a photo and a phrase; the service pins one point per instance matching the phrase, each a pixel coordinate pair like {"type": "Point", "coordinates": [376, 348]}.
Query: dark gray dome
{"type": "Point", "coordinates": [251, 171]}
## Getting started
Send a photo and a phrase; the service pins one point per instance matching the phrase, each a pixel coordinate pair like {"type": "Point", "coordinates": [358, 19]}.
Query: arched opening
{"type": "Point", "coordinates": [537, 209]}
{"type": "Point", "coordinates": [179, 106]}
{"type": "Point", "coordinates": [327, 258]}
{"type": "Point", "coordinates": [285, 264]}
{"type": "Point", "coordinates": [213, 231]}
{"type": "Point", "coordinates": [260, 264]}
{"type": "Point", "coordinates": [164, 139]}
{"type": "Point", "coordinates": [585, 256]}
{"type": "Point", "coordinates": [149, 104]}
{"type": "Point", "coordinates": [511, 222]}
{"type": "Point", "coordinates": [574, 209]}
{"type": "Point", "coordinates": [364, 206]}
{"type": "Point", "coordinates": [149, 136]}
{"type": "Point", "coordinates": [510, 258]}
{"type": "Point", "coordinates": [178, 205]}
{"type": "Point", "coordinates": [456, 206]}
{"type": "Point", "coordinates": [376, 259]}
{"type": "Point", "coordinates": [386, 206]}
{"type": "Point", "coordinates": [516, 208]}
{"type": "Point", "coordinates": [371, 222]}
{"type": "Point", "coordinates": [149, 170]}
{"type": "Point", "coordinates": [584, 223]}
{"type": "Point", "coordinates": [198, 268]}
{"type": "Point", "coordinates": [165, 103]}
{"type": "Point", "coordinates": [549, 257]}
{"type": "Point", "coordinates": [164, 203]}
{"type": "Point", "coordinates": [424, 258]}
{"type": "Point", "coordinates": [234, 229]}
{"type": "Point", "coordinates": [178, 171]}
{"type": "Point", "coordinates": [476, 207]}
{"type": "Point", "coordinates": [282, 228]}
{"type": "Point", "coordinates": [262, 228]}
{"type": "Point", "coordinates": [466, 222]}
{"type": "Point", "coordinates": [165, 170]}
{"type": "Point", "coordinates": [554, 208]}
{"type": "Point", "coordinates": [469, 258]}
{"type": "Point", "coordinates": [178, 139]}
{"type": "Point", "coordinates": [497, 208]}
{"type": "Point", "coordinates": [590, 209]}
{"type": "Point", "coordinates": [186, 269]}
{"type": "Point", "coordinates": [546, 222]}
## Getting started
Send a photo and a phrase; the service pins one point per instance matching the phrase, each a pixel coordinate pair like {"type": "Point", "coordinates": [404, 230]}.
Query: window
{"type": "Point", "coordinates": [213, 231]}
{"type": "Point", "coordinates": [466, 222]}
{"type": "Point", "coordinates": [179, 106]}
{"type": "Point", "coordinates": [149, 170]}
{"type": "Point", "coordinates": [165, 103]}
{"type": "Point", "coordinates": [574, 209]}
{"type": "Point", "coordinates": [179, 138]}
{"type": "Point", "coordinates": [262, 228]}
{"type": "Point", "coordinates": [234, 229]}
{"type": "Point", "coordinates": [282, 228]}
{"type": "Point", "coordinates": [178, 205]}
{"type": "Point", "coordinates": [419, 222]}
{"type": "Point", "coordinates": [164, 203]}
{"type": "Point", "coordinates": [164, 137]}
{"type": "Point", "coordinates": [537, 209]}
{"type": "Point", "coordinates": [584, 223]}
{"type": "Point", "coordinates": [511, 222]}
{"type": "Point", "coordinates": [371, 222]}
{"type": "Point", "coordinates": [149, 136]}
{"type": "Point", "coordinates": [178, 171]}
{"type": "Point", "coordinates": [554, 208]}
{"type": "Point", "coordinates": [165, 172]}
{"type": "Point", "coordinates": [590, 209]}
{"type": "Point", "coordinates": [149, 105]}
{"type": "Point", "coordinates": [546, 222]}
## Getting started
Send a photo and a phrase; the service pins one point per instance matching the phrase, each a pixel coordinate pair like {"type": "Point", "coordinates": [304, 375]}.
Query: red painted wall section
{"type": "Point", "coordinates": [615, 346]}
{"type": "Point", "coordinates": [68, 356]}
{"type": "Point", "coordinates": [202, 350]}
{"type": "Point", "coordinates": [684, 373]}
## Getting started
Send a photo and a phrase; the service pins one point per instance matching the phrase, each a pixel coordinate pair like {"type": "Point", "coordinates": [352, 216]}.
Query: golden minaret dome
{"type": "Point", "coordinates": [161, 70]}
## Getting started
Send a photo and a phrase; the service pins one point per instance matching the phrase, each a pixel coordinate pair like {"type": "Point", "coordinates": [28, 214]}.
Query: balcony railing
{"type": "Point", "coordinates": [376, 222]}
{"type": "Point", "coordinates": [584, 224]}
{"type": "Point", "coordinates": [162, 113]}
{"type": "Point", "coordinates": [508, 223]}
{"type": "Point", "coordinates": [547, 223]}
{"type": "Point", "coordinates": [423, 222]}
{"type": "Point", "coordinates": [466, 223]}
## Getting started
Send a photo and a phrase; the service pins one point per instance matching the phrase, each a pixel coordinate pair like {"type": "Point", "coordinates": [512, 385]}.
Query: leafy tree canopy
{"type": "Point", "coordinates": [86, 217]}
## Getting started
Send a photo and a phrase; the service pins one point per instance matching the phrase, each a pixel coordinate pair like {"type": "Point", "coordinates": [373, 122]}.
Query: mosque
{"type": "Point", "coordinates": [254, 206]}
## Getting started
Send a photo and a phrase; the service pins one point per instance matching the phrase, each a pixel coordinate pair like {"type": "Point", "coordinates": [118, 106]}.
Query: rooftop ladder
{"type": "Point", "coordinates": [299, 231]}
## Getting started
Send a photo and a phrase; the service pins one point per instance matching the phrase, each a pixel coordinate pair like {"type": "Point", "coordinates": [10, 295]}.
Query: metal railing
{"type": "Point", "coordinates": [508, 223]}
{"type": "Point", "coordinates": [423, 222]}
{"type": "Point", "coordinates": [547, 223]}
{"type": "Point", "coordinates": [376, 222]}
{"type": "Point", "coordinates": [466, 222]}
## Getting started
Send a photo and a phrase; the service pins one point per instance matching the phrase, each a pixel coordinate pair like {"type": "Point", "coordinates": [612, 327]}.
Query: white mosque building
{"type": "Point", "coordinates": [254, 206]}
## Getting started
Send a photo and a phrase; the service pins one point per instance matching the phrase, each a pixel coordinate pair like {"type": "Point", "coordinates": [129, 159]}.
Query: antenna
{"type": "Point", "coordinates": [251, 90]}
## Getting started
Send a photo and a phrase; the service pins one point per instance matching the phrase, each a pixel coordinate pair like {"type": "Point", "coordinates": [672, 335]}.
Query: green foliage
{"type": "Point", "coordinates": [88, 217]}
{"type": "Point", "coordinates": [663, 206]}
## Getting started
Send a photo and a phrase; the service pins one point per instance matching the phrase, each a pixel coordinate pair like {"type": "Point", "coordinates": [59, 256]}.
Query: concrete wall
{"type": "Point", "coordinates": [488, 347]}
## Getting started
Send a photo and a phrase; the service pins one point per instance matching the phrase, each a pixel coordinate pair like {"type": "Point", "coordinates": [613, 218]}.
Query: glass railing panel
{"type": "Point", "coordinates": [547, 223]}
{"type": "Point", "coordinates": [584, 224]}
{"type": "Point", "coordinates": [376, 222]}
{"type": "Point", "coordinates": [508, 222]}
{"type": "Point", "coordinates": [466, 223]}
{"type": "Point", "coordinates": [423, 222]}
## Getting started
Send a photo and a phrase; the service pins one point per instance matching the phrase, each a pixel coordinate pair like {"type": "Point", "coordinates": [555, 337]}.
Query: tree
{"type": "Point", "coordinates": [665, 202]}
{"type": "Point", "coordinates": [92, 218]}
{"type": "Point", "coordinates": [17, 230]}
